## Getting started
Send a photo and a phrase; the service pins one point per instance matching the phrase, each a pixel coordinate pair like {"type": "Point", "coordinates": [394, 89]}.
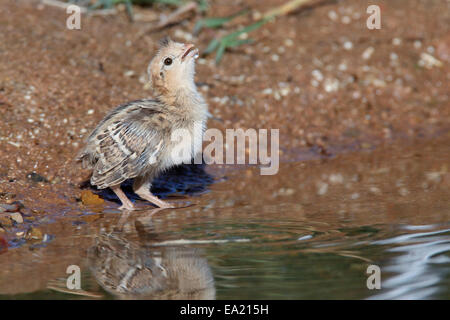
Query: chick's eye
{"type": "Point", "coordinates": [168, 61]}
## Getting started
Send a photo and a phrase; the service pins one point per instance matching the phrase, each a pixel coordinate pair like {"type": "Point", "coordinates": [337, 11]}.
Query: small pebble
{"type": "Point", "coordinates": [434, 176]}
{"type": "Point", "coordinates": [277, 96]}
{"type": "Point", "coordinates": [368, 53]}
{"type": "Point", "coordinates": [332, 15]}
{"type": "Point", "coordinates": [34, 234]}
{"type": "Point", "coordinates": [396, 41]}
{"type": "Point", "coordinates": [317, 75]}
{"type": "Point", "coordinates": [342, 66]}
{"type": "Point", "coordinates": [288, 42]}
{"type": "Point", "coordinates": [243, 36]}
{"type": "Point", "coordinates": [88, 198]}
{"type": "Point", "coordinates": [346, 20]}
{"type": "Point", "coordinates": [33, 176]}
{"type": "Point", "coordinates": [17, 217]}
{"type": "Point", "coordinates": [4, 207]}
{"type": "Point", "coordinates": [336, 178]}
{"type": "Point", "coordinates": [322, 188]}
{"type": "Point", "coordinates": [267, 91]}
{"type": "Point", "coordinates": [403, 192]}
{"type": "Point", "coordinates": [286, 192]}
{"type": "Point", "coordinates": [428, 61]}
{"type": "Point", "coordinates": [314, 83]}
{"type": "Point", "coordinates": [375, 190]}
{"type": "Point", "coordinates": [331, 85]}
{"type": "Point", "coordinates": [348, 45]}
{"type": "Point", "coordinates": [129, 73]}
{"type": "Point", "coordinates": [284, 91]}
{"type": "Point", "coordinates": [354, 196]}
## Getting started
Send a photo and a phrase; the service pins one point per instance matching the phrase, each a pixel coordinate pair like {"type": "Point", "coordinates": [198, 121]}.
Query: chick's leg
{"type": "Point", "coordinates": [126, 203]}
{"type": "Point", "coordinates": [141, 187]}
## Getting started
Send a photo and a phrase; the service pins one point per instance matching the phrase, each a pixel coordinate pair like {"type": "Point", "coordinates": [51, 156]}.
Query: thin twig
{"type": "Point", "coordinates": [59, 286]}
{"type": "Point", "coordinates": [102, 12]}
{"type": "Point", "coordinates": [62, 5]}
{"type": "Point", "coordinates": [65, 5]}
{"type": "Point", "coordinates": [174, 17]}
{"type": "Point", "coordinates": [285, 9]}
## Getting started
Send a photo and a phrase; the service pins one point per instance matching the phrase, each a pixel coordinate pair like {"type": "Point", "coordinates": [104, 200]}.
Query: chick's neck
{"type": "Point", "coordinates": [186, 99]}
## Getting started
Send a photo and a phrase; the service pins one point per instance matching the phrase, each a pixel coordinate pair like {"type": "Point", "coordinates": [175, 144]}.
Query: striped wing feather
{"type": "Point", "coordinates": [124, 143]}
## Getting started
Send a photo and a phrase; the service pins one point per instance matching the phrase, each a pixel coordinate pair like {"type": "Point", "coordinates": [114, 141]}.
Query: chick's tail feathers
{"type": "Point", "coordinates": [87, 159]}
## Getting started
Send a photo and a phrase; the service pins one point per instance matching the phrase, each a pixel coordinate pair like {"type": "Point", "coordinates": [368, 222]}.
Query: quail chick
{"type": "Point", "coordinates": [135, 139]}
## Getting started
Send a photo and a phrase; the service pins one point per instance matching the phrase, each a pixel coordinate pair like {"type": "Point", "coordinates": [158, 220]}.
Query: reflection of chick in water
{"type": "Point", "coordinates": [137, 269]}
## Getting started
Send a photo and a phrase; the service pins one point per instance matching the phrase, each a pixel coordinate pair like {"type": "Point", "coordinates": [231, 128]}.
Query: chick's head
{"type": "Point", "coordinates": [173, 67]}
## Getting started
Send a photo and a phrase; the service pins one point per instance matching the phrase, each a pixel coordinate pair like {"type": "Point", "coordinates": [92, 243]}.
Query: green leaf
{"type": "Point", "coordinates": [220, 52]}
{"type": "Point", "coordinates": [108, 4]}
{"type": "Point", "coordinates": [129, 9]}
{"type": "Point", "coordinates": [203, 5]}
{"type": "Point", "coordinates": [212, 46]}
{"type": "Point", "coordinates": [216, 22]}
{"type": "Point", "coordinates": [170, 2]}
{"type": "Point", "coordinates": [246, 29]}
{"type": "Point", "coordinates": [238, 42]}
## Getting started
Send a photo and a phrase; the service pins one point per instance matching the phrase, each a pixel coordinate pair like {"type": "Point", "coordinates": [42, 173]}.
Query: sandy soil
{"type": "Point", "coordinates": [320, 76]}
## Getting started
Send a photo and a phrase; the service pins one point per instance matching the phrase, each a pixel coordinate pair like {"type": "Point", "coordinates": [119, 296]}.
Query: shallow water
{"type": "Point", "coordinates": [309, 232]}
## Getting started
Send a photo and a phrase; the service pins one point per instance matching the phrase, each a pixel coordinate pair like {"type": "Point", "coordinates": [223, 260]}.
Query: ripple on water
{"type": "Point", "coordinates": [420, 267]}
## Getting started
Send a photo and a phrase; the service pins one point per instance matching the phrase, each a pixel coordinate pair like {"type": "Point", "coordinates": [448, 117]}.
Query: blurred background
{"type": "Point", "coordinates": [364, 124]}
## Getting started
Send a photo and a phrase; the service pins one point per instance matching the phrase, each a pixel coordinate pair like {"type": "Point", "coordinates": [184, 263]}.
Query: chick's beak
{"type": "Point", "coordinates": [188, 49]}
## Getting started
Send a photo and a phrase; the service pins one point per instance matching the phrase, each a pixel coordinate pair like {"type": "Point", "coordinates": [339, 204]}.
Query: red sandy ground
{"type": "Point", "coordinates": [56, 84]}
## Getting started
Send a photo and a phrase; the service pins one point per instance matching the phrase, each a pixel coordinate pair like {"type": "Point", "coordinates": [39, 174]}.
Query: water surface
{"type": "Point", "coordinates": [309, 232]}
